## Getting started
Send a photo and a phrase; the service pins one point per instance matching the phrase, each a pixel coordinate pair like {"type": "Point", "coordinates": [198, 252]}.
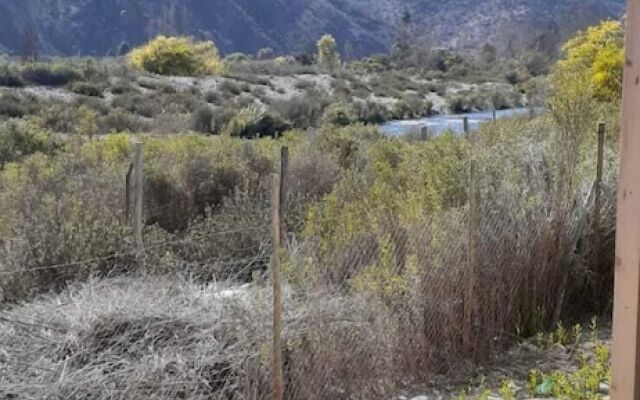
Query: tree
{"type": "Point", "coordinates": [401, 49]}
{"type": "Point", "coordinates": [488, 54]}
{"type": "Point", "coordinates": [30, 42]}
{"type": "Point", "coordinates": [123, 48]}
{"type": "Point", "coordinates": [349, 51]}
{"type": "Point", "coordinates": [265, 53]}
{"type": "Point", "coordinates": [328, 52]}
{"type": "Point", "coordinates": [594, 59]}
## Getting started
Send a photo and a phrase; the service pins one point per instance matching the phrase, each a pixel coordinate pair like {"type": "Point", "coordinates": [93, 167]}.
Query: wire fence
{"type": "Point", "coordinates": [455, 283]}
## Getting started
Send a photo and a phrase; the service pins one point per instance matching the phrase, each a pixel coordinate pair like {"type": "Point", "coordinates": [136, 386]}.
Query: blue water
{"type": "Point", "coordinates": [441, 123]}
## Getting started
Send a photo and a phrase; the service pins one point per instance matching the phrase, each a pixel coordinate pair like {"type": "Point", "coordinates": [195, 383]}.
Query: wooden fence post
{"type": "Point", "coordinates": [277, 373]}
{"type": "Point", "coordinates": [468, 338]}
{"type": "Point", "coordinates": [138, 198]}
{"type": "Point", "coordinates": [625, 384]}
{"type": "Point", "coordinates": [594, 233]}
{"type": "Point", "coordinates": [284, 166]}
{"type": "Point", "coordinates": [465, 125]}
{"type": "Point", "coordinates": [598, 186]}
{"type": "Point", "coordinates": [424, 134]}
{"type": "Point", "coordinates": [127, 195]}
{"type": "Point", "coordinates": [494, 115]}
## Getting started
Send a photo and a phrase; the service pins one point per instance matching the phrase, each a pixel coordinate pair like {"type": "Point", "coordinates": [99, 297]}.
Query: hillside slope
{"type": "Point", "coordinates": [96, 27]}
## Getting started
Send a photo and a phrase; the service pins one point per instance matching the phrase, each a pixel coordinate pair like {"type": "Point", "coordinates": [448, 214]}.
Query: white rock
{"type": "Point", "coordinates": [603, 388]}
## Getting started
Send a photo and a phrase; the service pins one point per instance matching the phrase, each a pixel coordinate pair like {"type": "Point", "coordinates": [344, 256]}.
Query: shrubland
{"type": "Point", "coordinates": [380, 234]}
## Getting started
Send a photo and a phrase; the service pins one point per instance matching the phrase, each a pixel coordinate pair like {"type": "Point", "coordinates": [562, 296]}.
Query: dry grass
{"type": "Point", "coordinates": [163, 338]}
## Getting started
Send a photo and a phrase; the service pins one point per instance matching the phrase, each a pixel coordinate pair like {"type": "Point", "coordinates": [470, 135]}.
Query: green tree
{"type": "Point", "coordinates": [328, 51]}
{"type": "Point", "coordinates": [593, 59]}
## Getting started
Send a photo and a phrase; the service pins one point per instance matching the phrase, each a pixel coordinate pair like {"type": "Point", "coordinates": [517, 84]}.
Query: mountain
{"type": "Point", "coordinates": [98, 27]}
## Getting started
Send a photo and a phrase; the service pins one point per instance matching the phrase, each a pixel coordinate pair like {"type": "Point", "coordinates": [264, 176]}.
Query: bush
{"type": "Point", "coordinates": [19, 139]}
{"type": "Point", "coordinates": [304, 110]}
{"type": "Point", "coordinates": [49, 74]}
{"type": "Point", "coordinates": [118, 120]}
{"type": "Point", "coordinates": [328, 52]}
{"type": "Point", "coordinates": [237, 58]}
{"type": "Point", "coordinates": [202, 120]}
{"type": "Point", "coordinates": [371, 112]}
{"type": "Point", "coordinates": [411, 106]}
{"type": "Point", "coordinates": [339, 114]}
{"type": "Point", "coordinates": [253, 121]}
{"type": "Point", "coordinates": [176, 56]}
{"type": "Point", "coordinates": [86, 89]}
{"type": "Point", "coordinates": [123, 88]}
{"type": "Point", "coordinates": [139, 104]}
{"type": "Point", "coordinates": [212, 97]}
{"type": "Point", "coordinates": [230, 88]}
{"type": "Point", "coordinates": [9, 77]}
{"type": "Point", "coordinates": [12, 106]}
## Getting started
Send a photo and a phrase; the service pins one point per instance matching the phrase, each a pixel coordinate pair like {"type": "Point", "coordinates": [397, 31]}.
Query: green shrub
{"type": "Point", "coordinates": [230, 88]}
{"type": "Point", "coordinates": [49, 74]}
{"type": "Point", "coordinates": [411, 106]}
{"type": "Point", "coordinates": [139, 104]}
{"type": "Point", "coordinates": [371, 112]}
{"type": "Point", "coordinates": [12, 106]}
{"type": "Point", "coordinates": [123, 88]}
{"type": "Point", "coordinates": [212, 97]}
{"type": "Point", "coordinates": [10, 77]}
{"type": "Point", "coordinates": [20, 138]}
{"type": "Point", "coordinates": [328, 52]}
{"type": "Point", "coordinates": [118, 120]}
{"type": "Point", "coordinates": [176, 56]}
{"type": "Point", "coordinates": [304, 110]}
{"type": "Point", "coordinates": [254, 121]}
{"type": "Point", "coordinates": [202, 120]}
{"type": "Point", "coordinates": [236, 58]}
{"type": "Point", "coordinates": [86, 89]}
{"type": "Point", "coordinates": [339, 114]}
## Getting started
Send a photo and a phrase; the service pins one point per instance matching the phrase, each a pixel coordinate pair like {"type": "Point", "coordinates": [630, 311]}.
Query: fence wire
{"type": "Point", "coordinates": [423, 295]}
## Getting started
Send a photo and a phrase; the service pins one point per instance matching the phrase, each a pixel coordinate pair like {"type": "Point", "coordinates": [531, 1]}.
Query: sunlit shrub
{"type": "Point", "coordinates": [176, 56]}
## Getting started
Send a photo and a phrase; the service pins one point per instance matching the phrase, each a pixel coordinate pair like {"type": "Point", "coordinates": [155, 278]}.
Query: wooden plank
{"type": "Point", "coordinates": [277, 374]}
{"type": "Point", "coordinates": [626, 372]}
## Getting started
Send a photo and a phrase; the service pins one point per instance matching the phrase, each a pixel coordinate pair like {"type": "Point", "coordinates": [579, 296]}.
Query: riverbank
{"type": "Point", "coordinates": [454, 122]}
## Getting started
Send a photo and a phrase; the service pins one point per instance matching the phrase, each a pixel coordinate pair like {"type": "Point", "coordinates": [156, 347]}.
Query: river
{"type": "Point", "coordinates": [440, 123]}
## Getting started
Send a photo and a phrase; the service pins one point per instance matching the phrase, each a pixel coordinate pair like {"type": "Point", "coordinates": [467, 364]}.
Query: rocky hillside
{"type": "Point", "coordinates": [97, 27]}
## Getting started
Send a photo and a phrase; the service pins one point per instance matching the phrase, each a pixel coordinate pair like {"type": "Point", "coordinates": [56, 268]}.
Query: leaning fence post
{"type": "Point", "coordinates": [127, 194]}
{"type": "Point", "coordinates": [138, 197]}
{"type": "Point", "coordinates": [277, 374]}
{"type": "Point", "coordinates": [468, 337]}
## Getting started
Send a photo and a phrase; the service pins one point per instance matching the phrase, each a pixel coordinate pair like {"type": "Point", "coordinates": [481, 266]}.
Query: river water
{"type": "Point", "coordinates": [441, 123]}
